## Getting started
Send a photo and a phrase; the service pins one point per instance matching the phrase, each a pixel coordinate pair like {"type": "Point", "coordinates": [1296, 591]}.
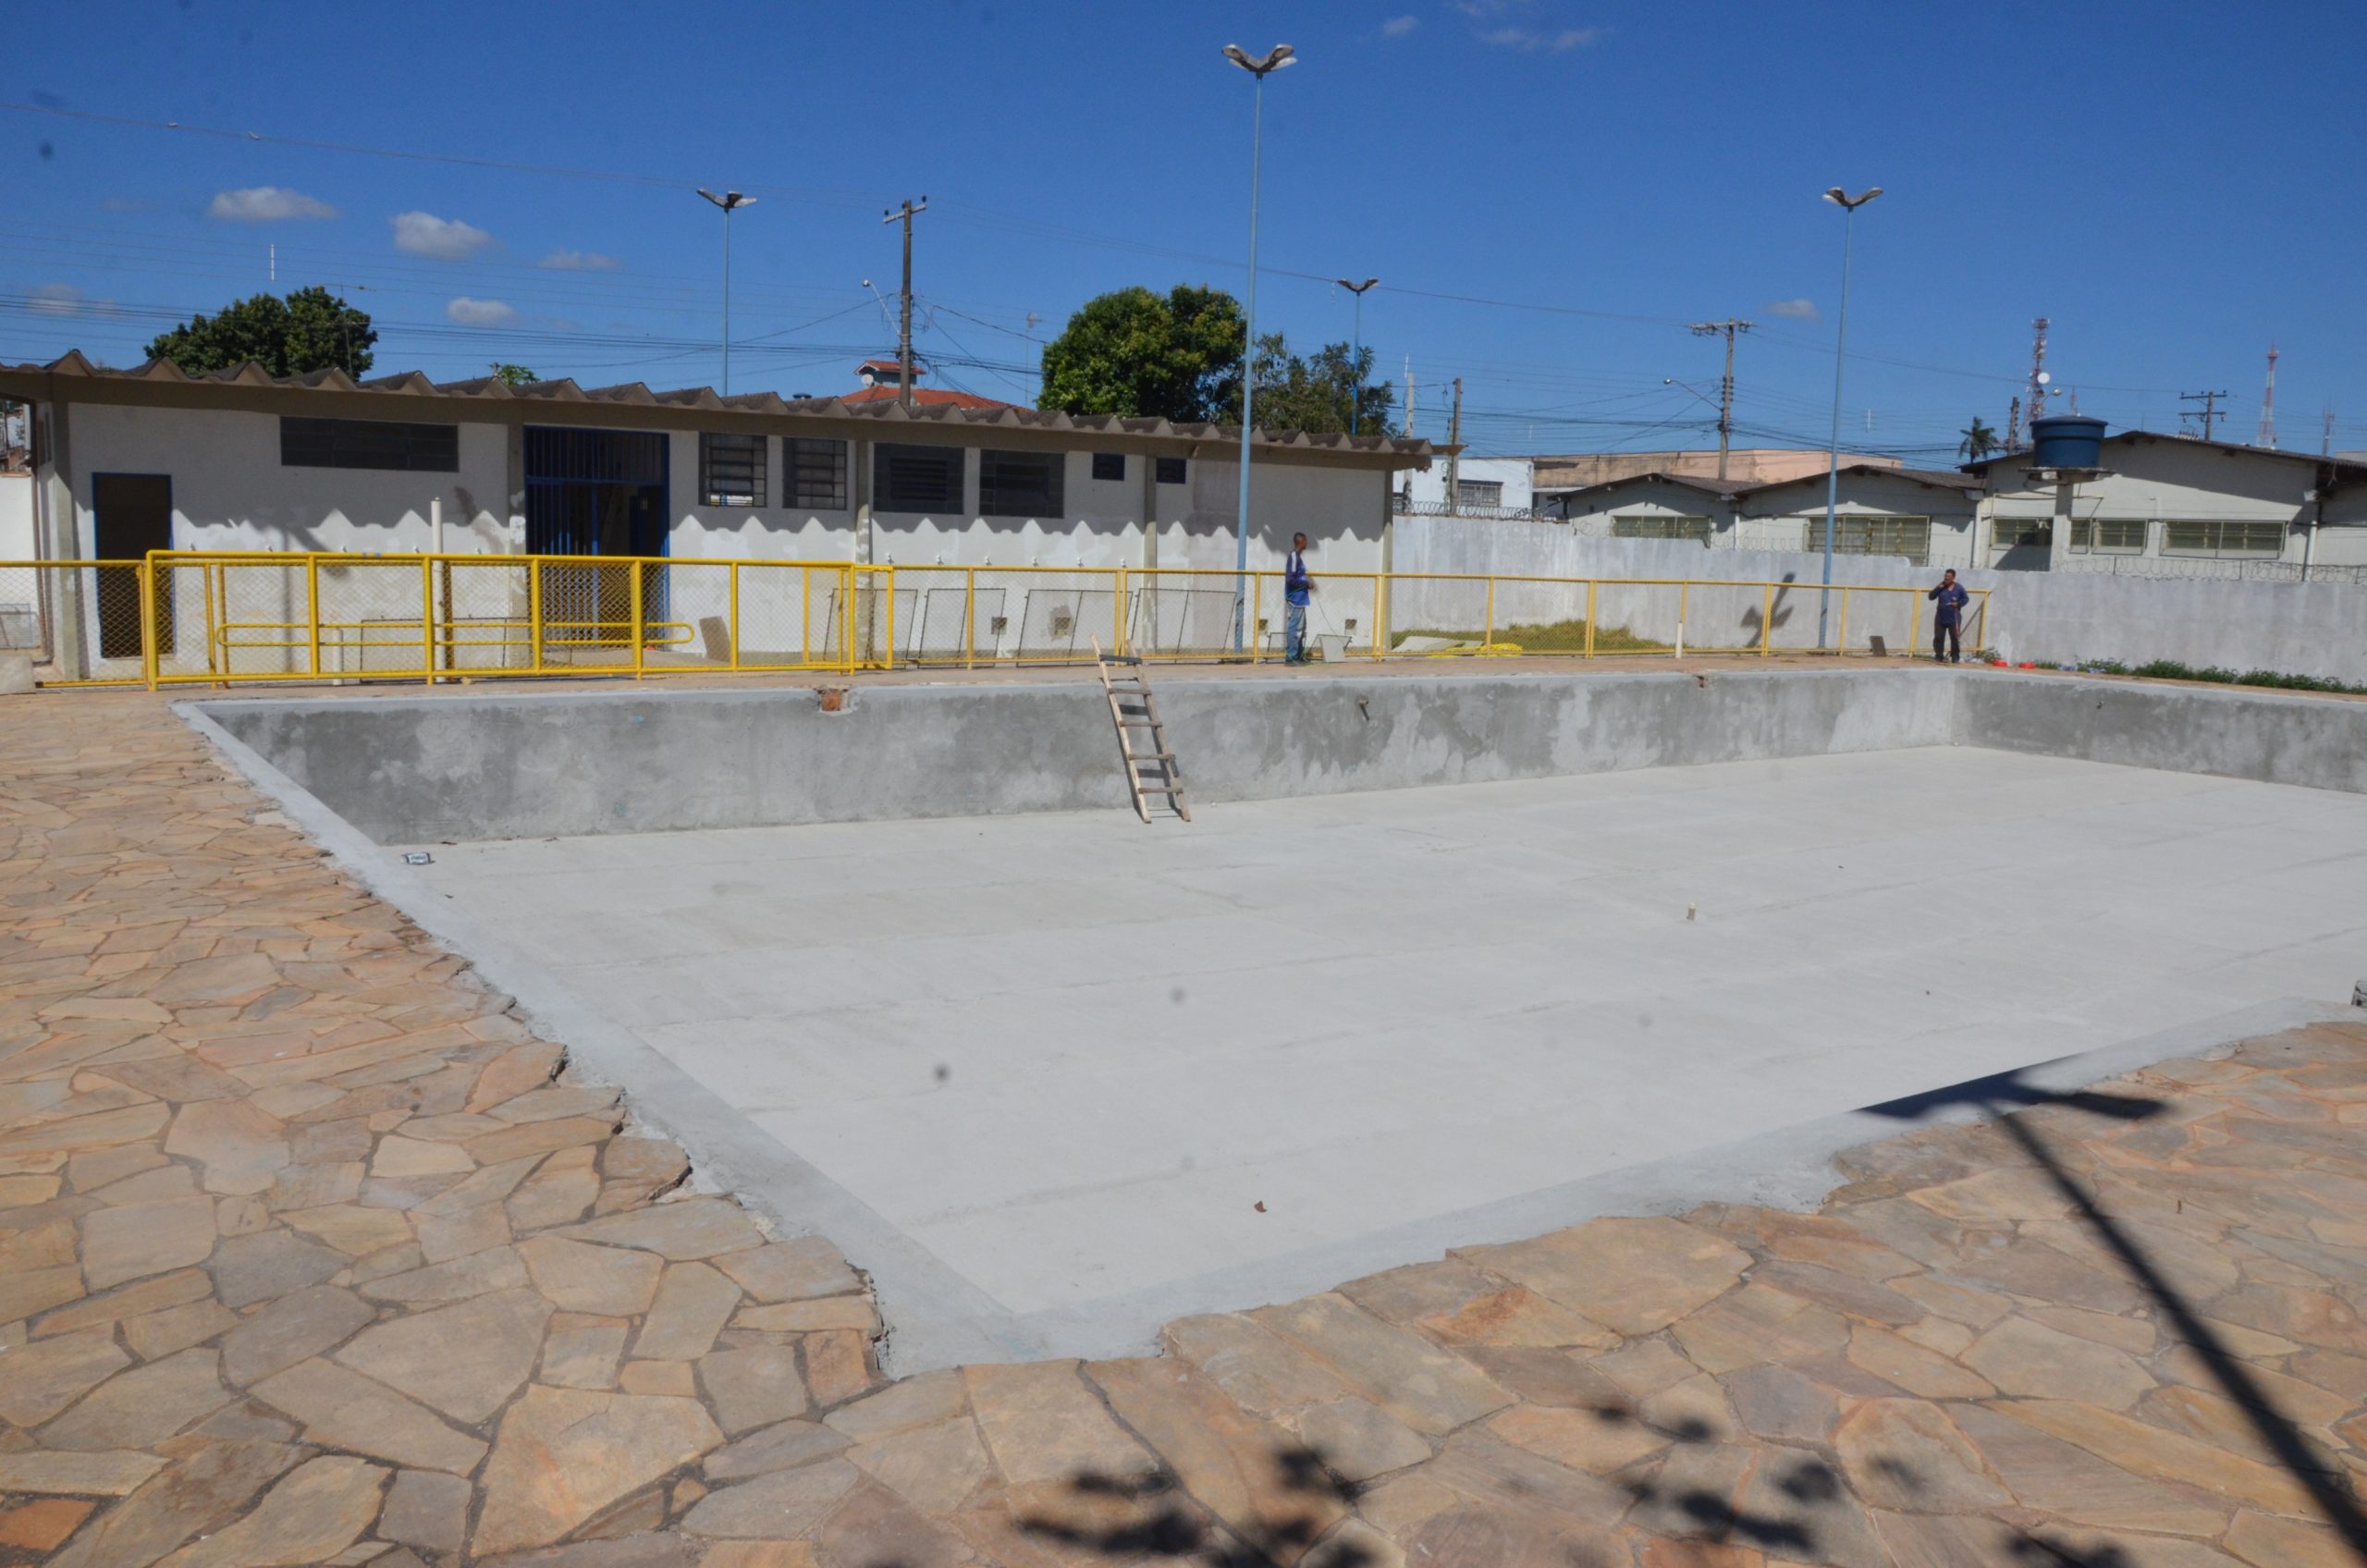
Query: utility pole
{"type": "Point", "coordinates": [2325, 439]}
{"type": "Point", "coordinates": [2268, 401]}
{"type": "Point", "coordinates": [1409, 396]}
{"type": "Point", "coordinates": [1726, 385]}
{"type": "Point", "coordinates": [2035, 395]}
{"type": "Point", "coordinates": [905, 214]}
{"type": "Point", "coordinates": [1454, 459]}
{"type": "Point", "coordinates": [2209, 401]}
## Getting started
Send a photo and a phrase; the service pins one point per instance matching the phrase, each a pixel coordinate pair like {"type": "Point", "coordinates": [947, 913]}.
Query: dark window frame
{"type": "Point", "coordinates": [1173, 471]}
{"type": "Point", "coordinates": [1109, 467]}
{"type": "Point", "coordinates": [1023, 483]}
{"type": "Point", "coordinates": [756, 491]}
{"type": "Point", "coordinates": [814, 472]}
{"type": "Point", "coordinates": [394, 446]}
{"type": "Point", "coordinates": [898, 477]}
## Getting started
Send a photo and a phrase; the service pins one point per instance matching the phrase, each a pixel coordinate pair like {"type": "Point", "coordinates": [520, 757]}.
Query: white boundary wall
{"type": "Point", "coordinates": [2291, 628]}
{"type": "Point", "coordinates": [2047, 618]}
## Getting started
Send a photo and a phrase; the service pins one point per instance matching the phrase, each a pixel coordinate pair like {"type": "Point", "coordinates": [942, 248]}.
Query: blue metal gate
{"type": "Point", "coordinates": [596, 492]}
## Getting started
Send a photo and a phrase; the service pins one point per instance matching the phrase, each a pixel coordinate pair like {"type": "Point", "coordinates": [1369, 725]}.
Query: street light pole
{"type": "Point", "coordinates": [1849, 205]}
{"type": "Point", "coordinates": [727, 201]}
{"type": "Point", "coordinates": [1275, 59]}
{"type": "Point", "coordinates": [1356, 362]}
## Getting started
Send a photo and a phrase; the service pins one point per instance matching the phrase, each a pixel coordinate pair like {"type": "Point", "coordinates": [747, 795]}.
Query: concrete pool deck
{"type": "Point", "coordinates": [1104, 1075]}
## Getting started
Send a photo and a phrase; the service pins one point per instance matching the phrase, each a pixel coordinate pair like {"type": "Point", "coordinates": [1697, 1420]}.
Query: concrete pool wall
{"type": "Point", "coordinates": [477, 767]}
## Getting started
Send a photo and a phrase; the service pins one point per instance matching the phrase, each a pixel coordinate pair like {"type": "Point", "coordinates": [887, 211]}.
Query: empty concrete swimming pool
{"type": "Point", "coordinates": [1055, 1077]}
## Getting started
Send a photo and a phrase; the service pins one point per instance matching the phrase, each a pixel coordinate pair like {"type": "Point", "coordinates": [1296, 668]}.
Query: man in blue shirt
{"type": "Point", "coordinates": [1297, 589]}
{"type": "Point", "coordinates": [1947, 620]}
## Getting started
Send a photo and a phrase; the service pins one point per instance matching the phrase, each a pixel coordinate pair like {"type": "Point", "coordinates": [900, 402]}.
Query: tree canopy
{"type": "Point", "coordinates": [516, 375]}
{"type": "Point", "coordinates": [311, 329]}
{"type": "Point", "coordinates": [1134, 353]}
{"type": "Point", "coordinates": [1979, 440]}
{"type": "Point", "coordinates": [1317, 393]}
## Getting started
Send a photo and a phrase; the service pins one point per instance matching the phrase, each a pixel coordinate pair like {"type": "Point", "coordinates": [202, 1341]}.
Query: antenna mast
{"type": "Point", "coordinates": [2036, 397]}
{"type": "Point", "coordinates": [2268, 401]}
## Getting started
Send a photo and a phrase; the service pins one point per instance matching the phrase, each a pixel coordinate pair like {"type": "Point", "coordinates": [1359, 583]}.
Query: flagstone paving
{"type": "Point", "coordinates": [312, 1253]}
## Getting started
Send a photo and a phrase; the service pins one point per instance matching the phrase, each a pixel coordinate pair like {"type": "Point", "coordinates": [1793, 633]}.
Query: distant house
{"type": "Point", "coordinates": [1745, 465]}
{"type": "Point", "coordinates": [883, 380]}
{"type": "Point", "coordinates": [2173, 506]}
{"type": "Point", "coordinates": [1921, 515]}
{"type": "Point", "coordinates": [1484, 487]}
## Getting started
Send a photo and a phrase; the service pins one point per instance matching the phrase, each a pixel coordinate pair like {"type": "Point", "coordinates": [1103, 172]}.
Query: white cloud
{"type": "Point", "coordinates": [1533, 40]}
{"type": "Point", "coordinates": [480, 313]}
{"type": "Point", "coordinates": [1398, 27]}
{"type": "Point", "coordinates": [65, 300]}
{"type": "Point", "coordinates": [1799, 310]}
{"type": "Point", "coordinates": [581, 261]}
{"type": "Point", "coordinates": [56, 299]}
{"type": "Point", "coordinates": [448, 240]}
{"type": "Point", "coordinates": [266, 203]}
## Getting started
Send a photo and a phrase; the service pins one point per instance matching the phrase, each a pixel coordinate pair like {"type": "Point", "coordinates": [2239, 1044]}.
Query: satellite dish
{"type": "Point", "coordinates": [2046, 377]}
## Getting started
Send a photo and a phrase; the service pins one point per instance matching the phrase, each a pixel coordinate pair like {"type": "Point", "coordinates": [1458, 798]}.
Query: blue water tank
{"type": "Point", "coordinates": [2066, 441]}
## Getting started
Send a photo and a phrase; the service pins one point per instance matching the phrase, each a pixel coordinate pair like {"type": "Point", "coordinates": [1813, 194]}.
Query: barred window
{"type": "Point", "coordinates": [1108, 465]}
{"type": "Point", "coordinates": [2020, 532]}
{"type": "Point", "coordinates": [732, 469]}
{"type": "Point", "coordinates": [1478, 492]}
{"type": "Point", "coordinates": [1660, 525]}
{"type": "Point", "coordinates": [1875, 536]}
{"type": "Point", "coordinates": [2109, 535]}
{"type": "Point", "coordinates": [369, 443]}
{"type": "Point", "coordinates": [815, 473]}
{"type": "Point", "coordinates": [1171, 471]}
{"type": "Point", "coordinates": [916, 479]}
{"type": "Point", "coordinates": [2221, 538]}
{"type": "Point", "coordinates": [1020, 485]}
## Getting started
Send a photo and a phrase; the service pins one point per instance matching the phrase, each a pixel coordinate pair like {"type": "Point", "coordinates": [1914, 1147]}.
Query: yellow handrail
{"type": "Point", "coordinates": [234, 617]}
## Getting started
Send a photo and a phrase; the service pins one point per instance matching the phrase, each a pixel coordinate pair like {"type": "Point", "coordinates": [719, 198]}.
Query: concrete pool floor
{"type": "Point", "coordinates": [1100, 1074]}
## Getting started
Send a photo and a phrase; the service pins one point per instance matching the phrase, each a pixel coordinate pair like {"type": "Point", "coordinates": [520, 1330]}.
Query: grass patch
{"type": "Point", "coordinates": [1554, 637]}
{"type": "Point", "coordinates": [2171, 669]}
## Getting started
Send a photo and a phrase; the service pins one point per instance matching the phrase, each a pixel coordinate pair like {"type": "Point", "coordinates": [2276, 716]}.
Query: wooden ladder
{"type": "Point", "coordinates": [1131, 712]}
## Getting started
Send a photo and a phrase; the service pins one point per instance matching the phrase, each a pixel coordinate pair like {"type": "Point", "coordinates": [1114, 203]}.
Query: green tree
{"type": "Point", "coordinates": [1134, 353]}
{"type": "Point", "coordinates": [1979, 440]}
{"type": "Point", "coordinates": [1317, 393]}
{"type": "Point", "coordinates": [311, 329]}
{"type": "Point", "coordinates": [516, 375]}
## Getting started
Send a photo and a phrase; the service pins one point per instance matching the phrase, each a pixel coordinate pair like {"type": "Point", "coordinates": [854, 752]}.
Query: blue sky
{"type": "Point", "coordinates": [2175, 185]}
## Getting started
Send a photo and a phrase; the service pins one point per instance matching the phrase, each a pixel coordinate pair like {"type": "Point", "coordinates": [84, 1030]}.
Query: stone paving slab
{"type": "Point", "coordinates": [310, 1253]}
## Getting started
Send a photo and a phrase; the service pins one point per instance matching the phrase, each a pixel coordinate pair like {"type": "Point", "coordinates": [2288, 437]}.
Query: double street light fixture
{"type": "Point", "coordinates": [1273, 60]}
{"type": "Point", "coordinates": [1849, 205]}
{"type": "Point", "coordinates": [1356, 366]}
{"type": "Point", "coordinates": [729, 200]}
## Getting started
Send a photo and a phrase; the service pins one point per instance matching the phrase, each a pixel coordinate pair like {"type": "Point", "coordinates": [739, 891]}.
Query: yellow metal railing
{"type": "Point", "coordinates": [233, 618]}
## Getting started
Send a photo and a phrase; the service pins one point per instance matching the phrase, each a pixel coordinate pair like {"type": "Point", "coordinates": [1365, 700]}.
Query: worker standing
{"type": "Point", "coordinates": [1299, 589]}
{"type": "Point", "coordinates": [1947, 619]}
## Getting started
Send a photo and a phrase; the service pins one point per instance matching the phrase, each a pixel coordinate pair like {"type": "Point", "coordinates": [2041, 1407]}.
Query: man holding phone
{"type": "Point", "coordinates": [1947, 619]}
